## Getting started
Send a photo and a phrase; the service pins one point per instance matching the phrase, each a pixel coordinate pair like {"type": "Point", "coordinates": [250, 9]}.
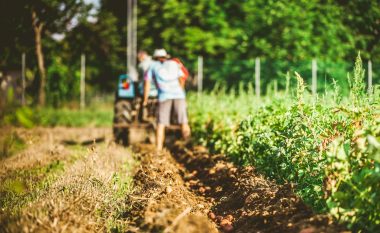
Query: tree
{"type": "Point", "coordinates": [186, 28]}
{"type": "Point", "coordinates": [101, 42]}
{"type": "Point", "coordinates": [363, 18]}
{"type": "Point", "coordinates": [48, 17]}
{"type": "Point", "coordinates": [16, 33]}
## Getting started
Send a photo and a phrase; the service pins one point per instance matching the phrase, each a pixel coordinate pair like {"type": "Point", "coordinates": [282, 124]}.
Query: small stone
{"type": "Point", "coordinates": [229, 218]}
{"type": "Point", "coordinates": [168, 189]}
{"type": "Point", "coordinates": [212, 216]}
{"type": "Point", "coordinates": [193, 182]}
{"type": "Point", "coordinates": [225, 222]}
{"type": "Point", "coordinates": [233, 170]}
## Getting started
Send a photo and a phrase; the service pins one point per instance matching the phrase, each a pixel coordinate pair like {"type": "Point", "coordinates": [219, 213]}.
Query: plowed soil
{"type": "Point", "coordinates": [187, 189]}
{"type": "Point", "coordinates": [184, 189]}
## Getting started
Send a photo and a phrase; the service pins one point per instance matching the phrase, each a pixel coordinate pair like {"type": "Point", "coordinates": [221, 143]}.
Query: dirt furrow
{"type": "Point", "coordinates": [161, 202]}
{"type": "Point", "coordinates": [189, 190]}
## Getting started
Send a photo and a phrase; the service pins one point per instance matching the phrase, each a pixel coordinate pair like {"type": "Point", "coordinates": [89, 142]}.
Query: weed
{"type": "Point", "coordinates": [10, 145]}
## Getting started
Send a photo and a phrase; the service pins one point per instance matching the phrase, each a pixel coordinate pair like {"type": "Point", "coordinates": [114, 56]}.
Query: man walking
{"type": "Point", "coordinates": [166, 74]}
{"type": "Point", "coordinates": [144, 63]}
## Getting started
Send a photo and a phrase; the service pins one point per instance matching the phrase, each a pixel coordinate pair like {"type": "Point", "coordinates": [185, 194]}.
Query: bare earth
{"type": "Point", "coordinates": [189, 190]}
{"type": "Point", "coordinates": [105, 187]}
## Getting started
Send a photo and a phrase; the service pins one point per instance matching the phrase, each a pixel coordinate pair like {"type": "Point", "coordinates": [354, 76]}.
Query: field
{"type": "Point", "coordinates": [326, 146]}
{"type": "Point", "coordinates": [287, 162]}
{"type": "Point", "coordinates": [76, 179]}
{"type": "Point", "coordinates": [285, 123]}
{"type": "Point", "coordinates": [60, 181]}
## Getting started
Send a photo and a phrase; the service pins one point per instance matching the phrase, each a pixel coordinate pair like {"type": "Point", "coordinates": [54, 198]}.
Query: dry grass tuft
{"type": "Point", "coordinates": [87, 197]}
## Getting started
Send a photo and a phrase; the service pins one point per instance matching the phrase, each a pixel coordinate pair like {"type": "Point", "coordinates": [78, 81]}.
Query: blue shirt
{"type": "Point", "coordinates": [166, 77]}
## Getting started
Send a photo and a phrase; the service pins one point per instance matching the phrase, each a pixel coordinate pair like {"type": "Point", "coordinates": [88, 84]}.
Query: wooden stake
{"type": "Point", "coordinates": [82, 81]}
{"type": "Point", "coordinates": [314, 77]}
{"type": "Point", "coordinates": [200, 74]}
{"type": "Point", "coordinates": [132, 39]}
{"type": "Point", "coordinates": [370, 77]}
{"type": "Point", "coordinates": [257, 77]}
{"type": "Point", "coordinates": [275, 87]}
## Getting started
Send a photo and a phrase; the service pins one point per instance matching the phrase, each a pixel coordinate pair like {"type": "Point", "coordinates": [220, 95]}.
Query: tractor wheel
{"type": "Point", "coordinates": [122, 116]}
{"type": "Point", "coordinates": [124, 112]}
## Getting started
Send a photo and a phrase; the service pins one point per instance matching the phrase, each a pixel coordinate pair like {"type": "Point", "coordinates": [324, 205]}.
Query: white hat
{"type": "Point", "coordinates": [160, 53]}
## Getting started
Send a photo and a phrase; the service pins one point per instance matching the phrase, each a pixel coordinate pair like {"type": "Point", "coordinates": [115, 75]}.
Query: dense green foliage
{"type": "Point", "coordinates": [328, 147]}
{"type": "Point", "coordinates": [229, 34]}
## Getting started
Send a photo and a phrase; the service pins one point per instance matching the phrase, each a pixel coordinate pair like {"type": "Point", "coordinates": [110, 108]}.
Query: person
{"type": "Point", "coordinates": [144, 63]}
{"type": "Point", "coordinates": [166, 74]}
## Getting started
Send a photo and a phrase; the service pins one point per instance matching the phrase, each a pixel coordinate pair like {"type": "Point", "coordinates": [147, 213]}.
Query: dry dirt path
{"type": "Point", "coordinates": [189, 190]}
{"type": "Point", "coordinates": [44, 145]}
{"type": "Point", "coordinates": [86, 193]}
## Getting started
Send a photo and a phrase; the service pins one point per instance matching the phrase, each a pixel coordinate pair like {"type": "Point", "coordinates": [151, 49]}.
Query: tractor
{"type": "Point", "coordinates": [133, 123]}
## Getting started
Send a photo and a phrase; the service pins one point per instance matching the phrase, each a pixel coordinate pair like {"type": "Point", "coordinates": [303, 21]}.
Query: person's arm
{"type": "Point", "coordinates": [147, 78]}
{"type": "Point", "coordinates": [146, 91]}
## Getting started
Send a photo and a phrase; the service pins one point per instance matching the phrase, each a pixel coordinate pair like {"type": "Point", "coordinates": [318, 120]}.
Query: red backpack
{"type": "Point", "coordinates": [183, 68]}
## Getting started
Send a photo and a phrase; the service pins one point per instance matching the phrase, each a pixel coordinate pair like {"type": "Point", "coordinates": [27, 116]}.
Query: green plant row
{"type": "Point", "coordinates": [328, 147]}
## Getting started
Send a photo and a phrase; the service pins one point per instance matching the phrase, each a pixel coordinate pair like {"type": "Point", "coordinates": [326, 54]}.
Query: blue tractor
{"type": "Point", "coordinates": [133, 123]}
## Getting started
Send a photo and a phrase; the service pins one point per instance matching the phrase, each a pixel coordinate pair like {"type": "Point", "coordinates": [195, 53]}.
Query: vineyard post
{"type": "Point", "coordinates": [23, 64]}
{"type": "Point", "coordinates": [129, 34]}
{"type": "Point", "coordinates": [314, 77]}
{"type": "Point", "coordinates": [275, 87]}
{"type": "Point", "coordinates": [287, 83]}
{"type": "Point", "coordinates": [132, 39]}
{"type": "Point", "coordinates": [257, 76]}
{"type": "Point", "coordinates": [369, 77]}
{"type": "Point", "coordinates": [200, 74]}
{"type": "Point", "coordinates": [134, 42]}
{"type": "Point", "coordinates": [82, 81]}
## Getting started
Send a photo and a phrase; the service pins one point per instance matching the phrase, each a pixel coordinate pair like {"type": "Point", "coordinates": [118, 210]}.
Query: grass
{"type": "Point", "coordinates": [98, 114]}
{"type": "Point", "coordinates": [95, 117]}
{"type": "Point", "coordinates": [86, 192]}
{"type": "Point", "coordinates": [23, 186]}
{"type": "Point", "coordinates": [123, 182]}
{"type": "Point", "coordinates": [11, 144]}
